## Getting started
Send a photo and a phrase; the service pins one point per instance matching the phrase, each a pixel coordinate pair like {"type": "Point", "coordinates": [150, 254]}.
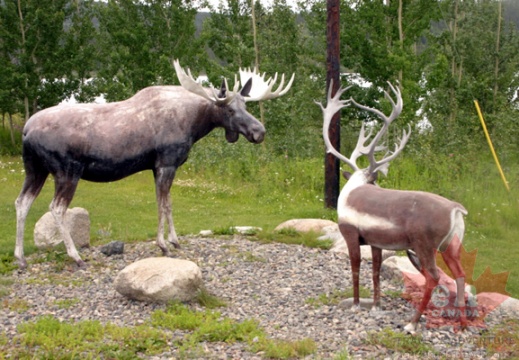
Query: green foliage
{"type": "Point", "coordinates": [209, 301]}
{"type": "Point", "coordinates": [211, 327]}
{"type": "Point", "coordinates": [400, 342]}
{"type": "Point", "coordinates": [5, 284]}
{"type": "Point", "coordinates": [47, 337]}
{"type": "Point", "coordinates": [502, 339]}
{"type": "Point", "coordinates": [282, 349]}
{"type": "Point", "coordinates": [6, 263]}
{"type": "Point", "coordinates": [263, 191]}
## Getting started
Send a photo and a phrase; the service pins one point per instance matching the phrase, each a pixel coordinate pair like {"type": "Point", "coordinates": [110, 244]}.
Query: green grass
{"type": "Point", "coordinates": [400, 342]}
{"type": "Point", "coordinates": [202, 200]}
{"type": "Point", "coordinates": [223, 185]}
{"type": "Point", "coordinates": [502, 339]}
{"type": "Point", "coordinates": [47, 337]}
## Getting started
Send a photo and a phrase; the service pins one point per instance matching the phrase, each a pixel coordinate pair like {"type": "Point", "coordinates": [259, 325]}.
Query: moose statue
{"type": "Point", "coordinates": [419, 222]}
{"type": "Point", "coordinates": [153, 130]}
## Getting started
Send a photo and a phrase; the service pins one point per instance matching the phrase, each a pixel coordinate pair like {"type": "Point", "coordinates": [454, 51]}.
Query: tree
{"type": "Point", "coordinates": [34, 38]}
{"type": "Point", "coordinates": [139, 41]}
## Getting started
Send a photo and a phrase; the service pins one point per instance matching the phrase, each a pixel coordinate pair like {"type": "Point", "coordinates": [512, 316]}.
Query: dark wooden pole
{"type": "Point", "coordinates": [332, 166]}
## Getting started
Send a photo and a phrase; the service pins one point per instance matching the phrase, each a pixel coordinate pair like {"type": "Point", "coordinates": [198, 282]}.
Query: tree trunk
{"type": "Point", "coordinates": [401, 38]}
{"type": "Point", "coordinates": [256, 56]}
{"type": "Point", "coordinates": [496, 69]}
{"type": "Point", "coordinates": [22, 32]}
{"type": "Point", "coordinates": [11, 128]}
{"type": "Point", "coordinates": [332, 165]}
{"type": "Point", "coordinates": [454, 70]}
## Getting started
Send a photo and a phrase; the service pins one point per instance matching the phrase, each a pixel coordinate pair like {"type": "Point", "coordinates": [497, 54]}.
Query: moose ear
{"type": "Point", "coordinates": [223, 90]}
{"type": "Point", "coordinates": [246, 88]}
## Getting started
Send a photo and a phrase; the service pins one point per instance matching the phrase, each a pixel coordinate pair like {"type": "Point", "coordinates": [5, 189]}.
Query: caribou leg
{"type": "Point", "coordinates": [430, 272]}
{"type": "Point", "coordinates": [32, 185]}
{"type": "Point", "coordinates": [376, 255]}
{"type": "Point", "coordinates": [352, 241]}
{"type": "Point", "coordinates": [451, 256]}
{"type": "Point", "coordinates": [163, 181]}
{"type": "Point", "coordinates": [65, 187]}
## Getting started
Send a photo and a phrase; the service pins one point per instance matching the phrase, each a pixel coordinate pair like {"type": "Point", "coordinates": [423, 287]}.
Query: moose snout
{"type": "Point", "coordinates": [258, 134]}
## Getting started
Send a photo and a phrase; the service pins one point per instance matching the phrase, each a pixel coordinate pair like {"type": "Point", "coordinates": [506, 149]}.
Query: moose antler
{"type": "Point", "coordinates": [189, 83]}
{"type": "Point", "coordinates": [261, 88]}
{"type": "Point", "coordinates": [335, 104]}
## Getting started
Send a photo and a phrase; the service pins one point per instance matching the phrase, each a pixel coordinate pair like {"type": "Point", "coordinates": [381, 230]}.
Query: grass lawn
{"type": "Point", "coordinates": [264, 193]}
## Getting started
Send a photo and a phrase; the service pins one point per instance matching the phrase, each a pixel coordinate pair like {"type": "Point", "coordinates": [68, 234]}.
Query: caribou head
{"type": "Point", "coordinates": [419, 222]}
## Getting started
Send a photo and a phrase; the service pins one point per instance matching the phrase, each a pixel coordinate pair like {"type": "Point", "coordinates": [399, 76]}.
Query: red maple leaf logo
{"type": "Point", "coordinates": [482, 295]}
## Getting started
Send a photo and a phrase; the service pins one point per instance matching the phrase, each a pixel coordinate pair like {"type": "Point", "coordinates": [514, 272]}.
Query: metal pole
{"type": "Point", "coordinates": [332, 166]}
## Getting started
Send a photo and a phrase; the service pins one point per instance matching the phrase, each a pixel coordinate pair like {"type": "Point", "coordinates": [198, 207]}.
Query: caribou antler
{"type": "Point", "coordinates": [189, 83]}
{"type": "Point", "coordinates": [261, 88]}
{"type": "Point", "coordinates": [369, 151]}
{"type": "Point", "coordinates": [335, 104]}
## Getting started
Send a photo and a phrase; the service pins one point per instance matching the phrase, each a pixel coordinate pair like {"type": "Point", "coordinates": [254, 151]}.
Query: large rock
{"type": "Point", "coordinates": [159, 280]}
{"type": "Point", "coordinates": [77, 222]}
{"type": "Point", "coordinates": [306, 225]}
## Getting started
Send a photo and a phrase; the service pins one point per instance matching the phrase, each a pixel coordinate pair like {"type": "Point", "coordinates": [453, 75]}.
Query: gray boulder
{"type": "Point", "coordinates": [77, 222]}
{"type": "Point", "coordinates": [306, 225]}
{"type": "Point", "coordinates": [160, 280]}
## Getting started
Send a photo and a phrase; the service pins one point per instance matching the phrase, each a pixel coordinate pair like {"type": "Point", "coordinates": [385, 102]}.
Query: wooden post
{"type": "Point", "coordinates": [332, 165]}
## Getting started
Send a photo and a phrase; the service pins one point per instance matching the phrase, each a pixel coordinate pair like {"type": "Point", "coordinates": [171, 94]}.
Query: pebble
{"type": "Point", "coordinates": [271, 283]}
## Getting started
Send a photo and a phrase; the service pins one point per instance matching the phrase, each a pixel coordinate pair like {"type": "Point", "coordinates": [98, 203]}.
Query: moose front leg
{"type": "Point", "coordinates": [163, 181]}
{"type": "Point", "coordinates": [65, 187]}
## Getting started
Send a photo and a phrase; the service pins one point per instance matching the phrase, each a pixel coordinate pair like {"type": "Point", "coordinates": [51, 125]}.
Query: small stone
{"type": "Point", "coordinates": [113, 248]}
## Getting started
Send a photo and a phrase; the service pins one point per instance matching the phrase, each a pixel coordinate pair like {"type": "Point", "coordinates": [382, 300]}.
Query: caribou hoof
{"type": "Point", "coordinates": [355, 308]}
{"type": "Point", "coordinates": [412, 328]}
{"type": "Point", "coordinates": [375, 310]}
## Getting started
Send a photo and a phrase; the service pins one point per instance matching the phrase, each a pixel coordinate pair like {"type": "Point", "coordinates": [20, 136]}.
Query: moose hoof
{"type": "Point", "coordinates": [81, 264]}
{"type": "Point", "coordinates": [22, 264]}
{"type": "Point", "coordinates": [412, 328]}
{"type": "Point", "coordinates": [175, 244]}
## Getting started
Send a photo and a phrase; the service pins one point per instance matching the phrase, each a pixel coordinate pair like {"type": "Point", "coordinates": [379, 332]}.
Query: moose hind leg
{"type": "Point", "coordinates": [64, 192]}
{"type": "Point", "coordinates": [31, 188]}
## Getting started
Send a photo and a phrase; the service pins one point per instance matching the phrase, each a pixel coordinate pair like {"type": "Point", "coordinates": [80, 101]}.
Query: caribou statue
{"type": "Point", "coordinates": [421, 223]}
{"type": "Point", "coordinates": [153, 130]}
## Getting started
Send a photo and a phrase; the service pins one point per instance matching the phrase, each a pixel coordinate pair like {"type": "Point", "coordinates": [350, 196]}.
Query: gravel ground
{"type": "Point", "coordinates": [268, 282]}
